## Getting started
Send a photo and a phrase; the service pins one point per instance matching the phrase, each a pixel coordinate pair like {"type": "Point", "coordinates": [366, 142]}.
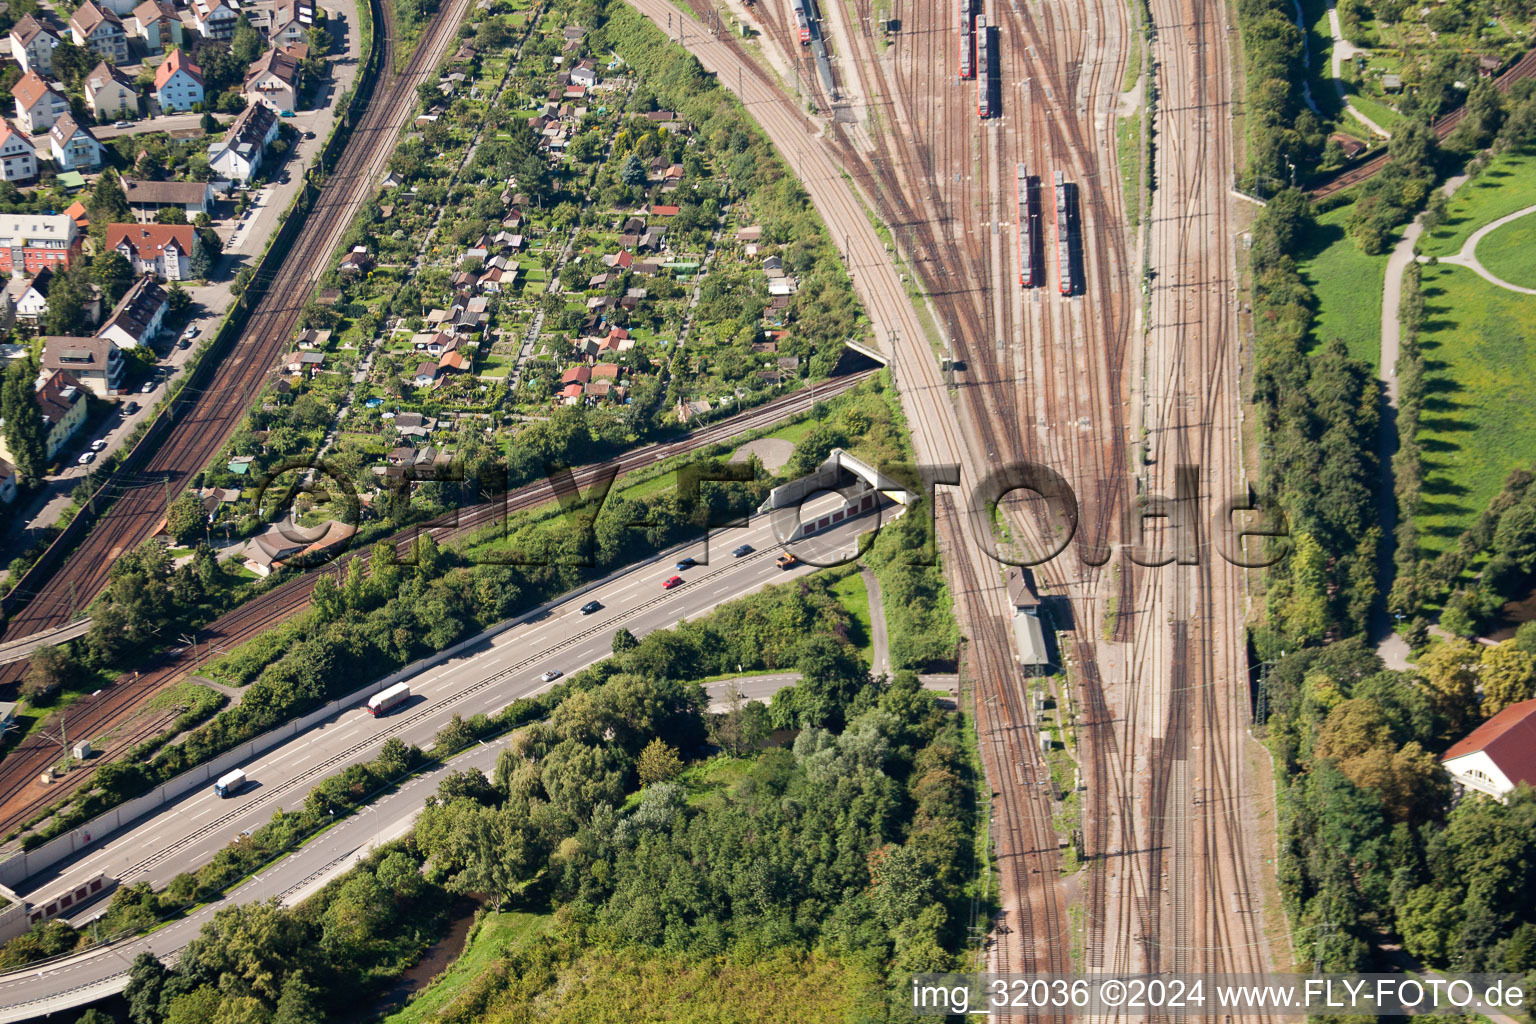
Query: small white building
{"type": "Point", "coordinates": [1498, 755]}
{"type": "Point", "coordinates": [18, 157]}
{"type": "Point", "coordinates": [110, 93]}
{"type": "Point", "coordinates": [32, 44]}
{"type": "Point", "coordinates": [73, 147]}
{"type": "Point", "coordinates": [239, 154]}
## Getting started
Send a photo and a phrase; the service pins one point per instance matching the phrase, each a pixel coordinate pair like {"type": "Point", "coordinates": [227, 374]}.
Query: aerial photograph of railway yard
{"type": "Point", "coordinates": [794, 511]}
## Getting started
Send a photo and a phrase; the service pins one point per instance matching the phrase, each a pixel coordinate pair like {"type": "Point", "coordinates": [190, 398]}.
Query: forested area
{"type": "Point", "coordinates": [667, 842]}
{"type": "Point", "coordinates": [1372, 849]}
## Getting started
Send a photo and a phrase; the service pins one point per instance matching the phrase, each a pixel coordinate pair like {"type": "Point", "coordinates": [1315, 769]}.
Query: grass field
{"type": "Point", "coordinates": [854, 596]}
{"type": "Point", "coordinates": [496, 933]}
{"type": "Point", "coordinates": [1477, 425]}
{"type": "Point", "coordinates": [1348, 285]}
{"type": "Point", "coordinates": [1510, 252]}
{"type": "Point", "coordinates": [1509, 184]}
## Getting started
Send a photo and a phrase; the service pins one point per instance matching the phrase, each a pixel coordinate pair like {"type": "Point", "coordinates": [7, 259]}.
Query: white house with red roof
{"type": "Point", "coordinates": [1498, 755]}
{"type": "Point", "coordinates": [18, 156]}
{"type": "Point", "coordinates": [178, 82]}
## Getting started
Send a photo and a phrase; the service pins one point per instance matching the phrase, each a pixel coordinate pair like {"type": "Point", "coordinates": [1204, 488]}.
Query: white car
{"type": "Point", "coordinates": [551, 675]}
{"type": "Point", "coordinates": [122, 124]}
{"type": "Point", "coordinates": [98, 444]}
{"type": "Point", "coordinates": [190, 333]}
{"type": "Point", "coordinates": [86, 458]}
{"type": "Point", "coordinates": [149, 386]}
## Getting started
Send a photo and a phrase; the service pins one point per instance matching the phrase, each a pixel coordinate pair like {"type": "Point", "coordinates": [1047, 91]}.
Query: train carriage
{"type": "Point", "coordinates": [967, 41]}
{"type": "Point", "coordinates": [802, 20]}
{"type": "Point", "coordinates": [1063, 237]}
{"type": "Point", "coordinates": [983, 70]}
{"type": "Point", "coordinates": [1026, 228]}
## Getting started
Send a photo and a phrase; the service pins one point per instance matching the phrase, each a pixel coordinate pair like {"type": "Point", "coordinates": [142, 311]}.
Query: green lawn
{"type": "Point", "coordinates": [1510, 252]}
{"type": "Point", "coordinates": [1509, 184]}
{"type": "Point", "coordinates": [1377, 111]}
{"type": "Point", "coordinates": [1479, 340]}
{"type": "Point", "coordinates": [854, 596]}
{"type": "Point", "coordinates": [496, 932]}
{"type": "Point", "coordinates": [1348, 285]}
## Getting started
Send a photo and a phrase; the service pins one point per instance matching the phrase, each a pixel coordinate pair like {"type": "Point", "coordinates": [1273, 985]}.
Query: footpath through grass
{"type": "Point", "coordinates": [1479, 422]}
{"type": "Point", "coordinates": [1510, 252]}
{"type": "Point", "coordinates": [1507, 185]}
{"type": "Point", "coordinates": [1348, 285]}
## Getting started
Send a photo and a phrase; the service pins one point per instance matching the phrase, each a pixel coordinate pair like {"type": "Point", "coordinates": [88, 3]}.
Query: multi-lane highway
{"type": "Point", "coordinates": [185, 833]}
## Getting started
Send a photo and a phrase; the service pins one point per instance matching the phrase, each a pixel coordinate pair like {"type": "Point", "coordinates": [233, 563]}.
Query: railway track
{"type": "Point", "coordinates": [139, 494]}
{"type": "Point", "coordinates": [21, 799]}
{"type": "Point", "coordinates": [1524, 68]}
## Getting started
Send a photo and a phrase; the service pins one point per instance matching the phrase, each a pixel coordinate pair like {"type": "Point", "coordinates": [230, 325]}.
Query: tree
{"type": "Point", "coordinates": [67, 298]}
{"type": "Point", "coordinates": [1449, 670]}
{"type": "Point", "coordinates": [185, 519]}
{"type": "Point", "coordinates": [171, 215]}
{"type": "Point", "coordinates": [177, 298]}
{"type": "Point", "coordinates": [246, 43]}
{"type": "Point", "coordinates": [624, 640]}
{"type": "Point", "coordinates": [72, 63]}
{"type": "Point", "coordinates": [299, 1002]}
{"type": "Point", "coordinates": [107, 203]}
{"type": "Point", "coordinates": [208, 122]}
{"type": "Point", "coordinates": [25, 434]}
{"type": "Point", "coordinates": [1509, 677]}
{"type": "Point", "coordinates": [113, 272]}
{"type": "Point", "coordinates": [49, 669]}
{"type": "Point", "coordinates": [658, 762]}
{"type": "Point", "coordinates": [632, 172]}
{"type": "Point", "coordinates": [146, 981]}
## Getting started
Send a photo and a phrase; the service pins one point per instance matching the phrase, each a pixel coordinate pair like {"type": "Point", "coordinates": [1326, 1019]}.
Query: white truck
{"type": "Point", "coordinates": [230, 783]}
{"type": "Point", "coordinates": [386, 700]}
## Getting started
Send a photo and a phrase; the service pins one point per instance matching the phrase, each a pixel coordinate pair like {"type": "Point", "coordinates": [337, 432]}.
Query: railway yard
{"type": "Point", "coordinates": [1061, 368]}
{"type": "Point", "coordinates": [1066, 323]}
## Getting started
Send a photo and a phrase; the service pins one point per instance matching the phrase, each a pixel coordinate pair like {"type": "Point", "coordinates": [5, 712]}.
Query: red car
{"type": "Point", "coordinates": [675, 581]}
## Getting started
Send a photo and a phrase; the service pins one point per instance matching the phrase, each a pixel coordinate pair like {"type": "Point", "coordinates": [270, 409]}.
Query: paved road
{"type": "Point", "coordinates": [187, 832]}
{"type": "Point", "coordinates": [1343, 50]}
{"type": "Point", "coordinates": [881, 662]}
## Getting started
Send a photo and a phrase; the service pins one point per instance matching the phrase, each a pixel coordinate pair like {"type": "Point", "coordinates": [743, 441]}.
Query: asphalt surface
{"type": "Point", "coordinates": [187, 832]}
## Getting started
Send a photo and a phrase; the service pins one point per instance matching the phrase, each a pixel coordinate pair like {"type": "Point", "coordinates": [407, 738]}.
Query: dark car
{"type": "Point", "coordinates": [745, 549]}
{"type": "Point", "coordinates": [686, 563]}
{"type": "Point", "coordinates": [130, 408]}
{"type": "Point", "coordinates": [675, 581]}
{"type": "Point", "coordinates": [590, 607]}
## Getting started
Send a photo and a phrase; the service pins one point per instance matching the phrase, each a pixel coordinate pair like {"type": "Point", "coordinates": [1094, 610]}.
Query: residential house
{"type": "Point", "coordinates": [32, 44]}
{"type": "Point", "coordinates": [75, 211]}
{"type": "Point", "coordinates": [356, 263]}
{"type": "Point", "coordinates": [288, 543]}
{"type": "Point", "coordinates": [300, 363]}
{"type": "Point", "coordinates": [164, 250]}
{"type": "Point", "coordinates": [18, 157]}
{"type": "Point", "coordinates": [94, 362]}
{"type": "Point", "coordinates": [426, 374]}
{"type": "Point", "coordinates": [215, 19]}
{"type": "Point", "coordinates": [273, 79]}
{"type": "Point", "coordinates": [148, 198]}
{"type": "Point", "coordinates": [41, 240]}
{"type": "Point", "coordinates": [157, 24]}
{"type": "Point", "coordinates": [178, 82]}
{"type": "Point", "coordinates": [73, 147]}
{"type": "Point", "coordinates": [414, 424]}
{"type": "Point", "coordinates": [38, 104]}
{"type": "Point", "coordinates": [63, 403]}
{"type": "Point", "coordinates": [312, 340]}
{"type": "Point", "coordinates": [239, 155]}
{"type": "Point", "coordinates": [1498, 755]}
{"type": "Point", "coordinates": [138, 316]}
{"type": "Point", "coordinates": [31, 298]}
{"type": "Point", "coordinates": [585, 74]}
{"type": "Point", "coordinates": [100, 30]}
{"type": "Point", "coordinates": [291, 22]}
{"type": "Point", "coordinates": [110, 93]}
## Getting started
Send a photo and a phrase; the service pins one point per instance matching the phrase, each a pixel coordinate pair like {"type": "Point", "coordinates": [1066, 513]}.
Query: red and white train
{"type": "Point", "coordinates": [1027, 216]}
{"type": "Point", "coordinates": [802, 20]}
{"type": "Point", "coordinates": [983, 70]}
{"type": "Point", "coordinates": [1063, 238]}
{"type": "Point", "coordinates": [967, 41]}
